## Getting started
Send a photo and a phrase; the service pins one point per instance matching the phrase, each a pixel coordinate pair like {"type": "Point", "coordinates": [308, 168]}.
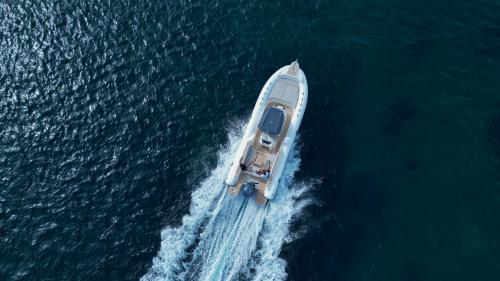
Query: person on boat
{"type": "Point", "coordinates": [265, 174]}
{"type": "Point", "coordinates": [243, 166]}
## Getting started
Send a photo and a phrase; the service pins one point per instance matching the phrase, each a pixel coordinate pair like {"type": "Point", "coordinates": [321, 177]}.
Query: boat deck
{"type": "Point", "coordinates": [262, 157]}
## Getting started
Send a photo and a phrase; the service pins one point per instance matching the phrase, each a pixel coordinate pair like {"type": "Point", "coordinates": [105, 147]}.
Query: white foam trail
{"type": "Point", "coordinates": [175, 241]}
{"type": "Point", "coordinates": [229, 239]}
{"type": "Point", "coordinates": [287, 204]}
{"type": "Point", "coordinates": [224, 231]}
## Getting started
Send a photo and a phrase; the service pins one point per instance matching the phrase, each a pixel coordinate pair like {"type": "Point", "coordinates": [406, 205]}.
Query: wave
{"type": "Point", "coordinates": [225, 237]}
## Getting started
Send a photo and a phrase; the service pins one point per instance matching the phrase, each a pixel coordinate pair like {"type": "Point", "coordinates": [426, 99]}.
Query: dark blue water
{"type": "Point", "coordinates": [113, 113]}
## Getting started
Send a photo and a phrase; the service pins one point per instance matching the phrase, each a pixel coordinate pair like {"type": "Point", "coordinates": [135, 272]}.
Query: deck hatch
{"type": "Point", "coordinates": [272, 121]}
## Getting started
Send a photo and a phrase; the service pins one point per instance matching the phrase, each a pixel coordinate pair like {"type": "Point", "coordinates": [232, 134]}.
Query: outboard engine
{"type": "Point", "coordinates": [248, 188]}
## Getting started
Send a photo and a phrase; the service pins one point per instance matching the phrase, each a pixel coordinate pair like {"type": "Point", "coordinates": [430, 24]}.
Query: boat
{"type": "Point", "coordinates": [269, 135]}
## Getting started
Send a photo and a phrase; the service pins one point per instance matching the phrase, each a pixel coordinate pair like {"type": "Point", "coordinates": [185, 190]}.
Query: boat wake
{"type": "Point", "coordinates": [225, 237]}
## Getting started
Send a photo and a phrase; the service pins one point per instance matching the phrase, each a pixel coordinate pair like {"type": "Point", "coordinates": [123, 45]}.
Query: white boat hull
{"type": "Point", "coordinates": [290, 134]}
